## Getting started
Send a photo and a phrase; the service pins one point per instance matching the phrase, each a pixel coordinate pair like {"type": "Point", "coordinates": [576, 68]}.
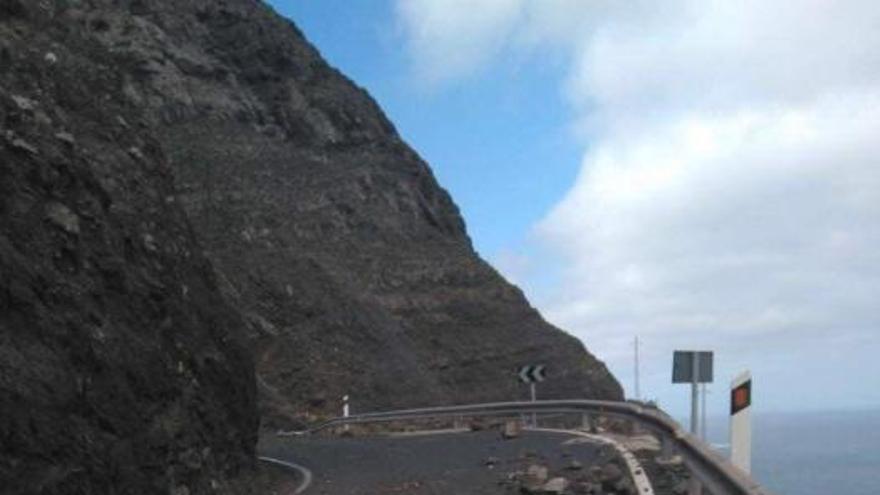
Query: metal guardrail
{"type": "Point", "coordinates": [715, 472]}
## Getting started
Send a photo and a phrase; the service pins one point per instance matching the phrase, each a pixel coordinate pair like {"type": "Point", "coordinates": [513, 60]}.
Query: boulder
{"type": "Point", "coordinates": [555, 486]}
{"type": "Point", "coordinates": [611, 473]}
{"type": "Point", "coordinates": [535, 478]}
{"type": "Point", "coordinates": [511, 429]}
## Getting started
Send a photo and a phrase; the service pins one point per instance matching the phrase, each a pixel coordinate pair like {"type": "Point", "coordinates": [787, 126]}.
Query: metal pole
{"type": "Point", "coordinates": [703, 413]}
{"type": "Point", "coordinates": [637, 391]}
{"type": "Point", "coordinates": [534, 414]}
{"type": "Point", "coordinates": [695, 419]}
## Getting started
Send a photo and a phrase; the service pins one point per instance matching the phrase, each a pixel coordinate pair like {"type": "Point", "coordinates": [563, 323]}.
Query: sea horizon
{"type": "Point", "coordinates": [815, 452]}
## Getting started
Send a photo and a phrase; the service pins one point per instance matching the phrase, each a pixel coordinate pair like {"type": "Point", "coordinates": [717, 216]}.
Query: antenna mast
{"type": "Point", "coordinates": [638, 393]}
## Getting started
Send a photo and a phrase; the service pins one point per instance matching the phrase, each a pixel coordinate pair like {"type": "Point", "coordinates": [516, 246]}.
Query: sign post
{"type": "Point", "coordinates": [694, 367]}
{"type": "Point", "coordinates": [532, 374]}
{"type": "Point", "coordinates": [695, 394]}
{"type": "Point", "coordinates": [741, 421]}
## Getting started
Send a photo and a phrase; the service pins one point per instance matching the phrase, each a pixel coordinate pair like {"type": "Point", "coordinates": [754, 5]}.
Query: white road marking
{"type": "Point", "coordinates": [640, 478]}
{"type": "Point", "coordinates": [306, 474]}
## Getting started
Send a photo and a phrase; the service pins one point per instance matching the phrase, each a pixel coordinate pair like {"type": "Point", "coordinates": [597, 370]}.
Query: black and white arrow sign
{"type": "Point", "coordinates": [531, 373]}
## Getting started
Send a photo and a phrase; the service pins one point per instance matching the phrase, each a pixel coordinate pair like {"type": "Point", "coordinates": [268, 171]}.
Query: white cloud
{"type": "Point", "coordinates": [730, 195]}
{"type": "Point", "coordinates": [449, 39]}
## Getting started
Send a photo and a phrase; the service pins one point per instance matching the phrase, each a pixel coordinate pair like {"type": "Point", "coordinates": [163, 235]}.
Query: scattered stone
{"type": "Point", "coordinates": [63, 217]}
{"type": "Point", "coordinates": [528, 454]}
{"type": "Point", "coordinates": [587, 488]}
{"type": "Point", "coordinates": [511, 430]}
{"type": "Point", "coordinates": [535, 477]}
{"type": "Point", "coordinates": [624, 487]}
{"type": "Point", "coordinates": [611, 473]}
{"type": "Point", "coordinates": [51, 58]}
{"type": "Point", "coordinates": [681, 488]}
{"type": "Point", "coordinates": [555, 486]}
{"type": "Point", "coordinates": [511, 478]}
{"type": "Point", "coordinates": [491, 461]}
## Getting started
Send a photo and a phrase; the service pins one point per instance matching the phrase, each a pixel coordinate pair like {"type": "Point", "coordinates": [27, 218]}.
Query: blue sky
{"type": "Point", "coordinates": [700, 173]}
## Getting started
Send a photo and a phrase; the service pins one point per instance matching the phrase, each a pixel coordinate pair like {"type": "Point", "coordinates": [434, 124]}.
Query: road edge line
{"type": "Point", "coordinates": [306, 474]}
{"type": "Point", "coordinates": [636, 471]}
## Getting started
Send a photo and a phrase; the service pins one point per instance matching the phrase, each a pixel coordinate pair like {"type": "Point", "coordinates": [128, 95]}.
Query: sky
{"type": "Point", "coordinates": [701, 173]}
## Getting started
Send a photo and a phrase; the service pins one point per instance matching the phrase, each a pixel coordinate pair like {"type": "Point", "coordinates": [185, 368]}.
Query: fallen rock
{"type": "Point", "coordinates": [491, 461]}
{"type": "Point", "coordinates": [511, 430]}
{"type": "Point", "coordinates": [624, 487]}
{"type": "Point", "coordinates": [535, 478]}
{"type": "Point", "coordinates": [681, 487]}
{"type": "Point", "coordinates": [574, 465]}
{"type": "Point", "coordinates": [611, 473]}
{"type": "Point", "coordinates": [555, 486]}
{"type": "Point", "coordinates": [587, 488]}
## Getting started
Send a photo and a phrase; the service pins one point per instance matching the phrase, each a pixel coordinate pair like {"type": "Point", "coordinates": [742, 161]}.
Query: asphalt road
{"type": "Point", "coordinates": [450, 463]}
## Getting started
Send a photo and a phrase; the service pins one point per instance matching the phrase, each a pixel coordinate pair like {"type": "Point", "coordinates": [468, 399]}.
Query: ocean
{"type": "Point", "coordinates": [812, 453]}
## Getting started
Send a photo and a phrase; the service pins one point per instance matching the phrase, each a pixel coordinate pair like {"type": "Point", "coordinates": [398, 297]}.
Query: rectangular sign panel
{"type": "Point", "coordinates": [683, 366]}
{"type": "Point", "coordinates": [740, 397]}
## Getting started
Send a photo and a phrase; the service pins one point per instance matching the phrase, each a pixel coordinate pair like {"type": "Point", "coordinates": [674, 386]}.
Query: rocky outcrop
{"type": "Point", "coordinates": [122, 368]}
{"type": "Point", "coordinates": [349, 263]}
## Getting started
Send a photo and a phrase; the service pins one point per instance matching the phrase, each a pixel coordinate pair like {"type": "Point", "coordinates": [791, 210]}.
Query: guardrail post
{"type": "Point", "coordinates": [585, 422]}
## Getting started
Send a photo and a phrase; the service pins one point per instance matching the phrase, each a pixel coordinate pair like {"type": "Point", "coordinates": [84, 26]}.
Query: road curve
{"type": "Point", "coordinates": [304, 472]}
{"type": "Point", "coordinates": [477, 463]}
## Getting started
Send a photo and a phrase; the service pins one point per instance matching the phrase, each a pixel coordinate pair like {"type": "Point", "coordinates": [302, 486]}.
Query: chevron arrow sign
{"type": "Point", "coordinates": [531, 373]}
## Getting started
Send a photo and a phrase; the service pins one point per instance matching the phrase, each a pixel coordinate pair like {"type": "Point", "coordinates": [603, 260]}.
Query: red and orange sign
{"type": "Point", "coordinates": [740, 397]}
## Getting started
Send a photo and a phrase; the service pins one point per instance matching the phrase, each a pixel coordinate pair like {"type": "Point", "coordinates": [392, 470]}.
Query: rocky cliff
{"type": "Point", "coordinates": [350, 263]}
{"type": "Point", "coordinates": [177, 174]}
{"type": "Point", "coordinates": [122, 368]}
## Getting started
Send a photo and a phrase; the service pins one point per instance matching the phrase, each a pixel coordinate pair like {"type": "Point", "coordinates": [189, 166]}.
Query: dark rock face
{"type": "Point", "coordinates": [122, 368]}
{"type": "Point", "coordinates": [350, 263]}
{"type": "Point", "coordinates": [348, 267]}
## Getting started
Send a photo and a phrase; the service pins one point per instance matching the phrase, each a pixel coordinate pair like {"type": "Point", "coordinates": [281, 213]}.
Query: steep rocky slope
{"type": "Point", "coordinates": [350, 263]}
{"type": "Point", "coordinates": [122, 368]}
{"type": "Point", "coordinates": [346, 264]}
